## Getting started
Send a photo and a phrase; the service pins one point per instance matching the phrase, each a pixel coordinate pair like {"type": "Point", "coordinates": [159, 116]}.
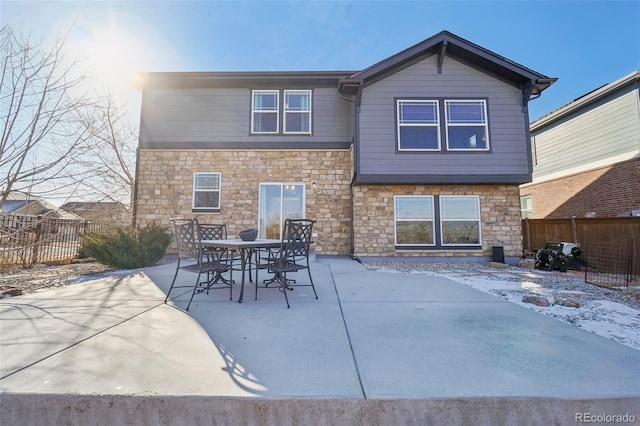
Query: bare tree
{"type": "Point", "coordinates": [110, 154]}
{"type": "Point", "coordinates": [43, 115]}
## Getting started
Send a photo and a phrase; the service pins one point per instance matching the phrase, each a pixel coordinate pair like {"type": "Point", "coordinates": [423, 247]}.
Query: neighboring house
{"type": "Point", "coordinates": [21, 204]}
{"type": "Point", "coordinates": [101, 211]}
{"type": "Point", "coordinates": [418, 156]}
{"type": "Point", "coordinates": [586, 156]}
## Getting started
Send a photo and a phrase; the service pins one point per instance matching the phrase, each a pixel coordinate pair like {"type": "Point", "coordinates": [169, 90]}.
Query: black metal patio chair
{"type": "Point", "coordinates": [216, 231]}
{"type": "Point", "coordinates": [292, 256]}
{"type": "Point", "coordinates": [187, 234]}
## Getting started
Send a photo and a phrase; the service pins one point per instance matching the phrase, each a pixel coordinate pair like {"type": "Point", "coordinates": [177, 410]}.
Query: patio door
{"type": "Point", "coordinates": [277, 202]}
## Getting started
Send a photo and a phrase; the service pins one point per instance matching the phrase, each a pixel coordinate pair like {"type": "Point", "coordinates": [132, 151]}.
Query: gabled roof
{"type": "Point", "coordinates": [17, 201]}
{"type": "Point", "coordinates": [586, 99]}
{"type": "Point", "coordinates": [444, 44]}
{"type": "Point", "coordinates": [93, 205]}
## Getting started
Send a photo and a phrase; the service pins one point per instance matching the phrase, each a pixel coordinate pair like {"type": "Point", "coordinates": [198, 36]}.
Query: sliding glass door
{"type": "Point", "coordinates": [277, 202]}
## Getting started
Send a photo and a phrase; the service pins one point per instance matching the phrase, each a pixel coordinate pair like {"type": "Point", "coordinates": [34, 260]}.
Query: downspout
{"type": "Point", "coordinates": [356, 112]}
{"type": "Point", "coordinates": [352, 242]}
{"type": "Point", "coordinates": [352, 185]}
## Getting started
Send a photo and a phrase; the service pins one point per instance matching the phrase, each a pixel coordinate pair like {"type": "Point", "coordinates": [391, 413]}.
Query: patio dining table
{"type": "Point", "coordinates": [246, 250]}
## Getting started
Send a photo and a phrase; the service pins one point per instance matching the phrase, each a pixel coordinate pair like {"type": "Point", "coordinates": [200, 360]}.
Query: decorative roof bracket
{"type": "Point", "coordinates": [532, 89]}
{"type": "Point", "coordinates": [443, 51]}
{"type": "Point", "coordinates": [527, 91]}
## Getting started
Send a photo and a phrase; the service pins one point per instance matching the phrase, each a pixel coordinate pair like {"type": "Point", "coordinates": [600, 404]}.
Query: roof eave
{"type": "Point", "coordinates": [586, 99]}
{"type": "Point", "coordinates": [143, 79]}
{"type": "Point", "coordinates": [459, 47]}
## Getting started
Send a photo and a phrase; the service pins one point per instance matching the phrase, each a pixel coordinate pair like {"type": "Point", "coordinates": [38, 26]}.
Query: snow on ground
{"type": "Point", "coordinates": [608, 313]}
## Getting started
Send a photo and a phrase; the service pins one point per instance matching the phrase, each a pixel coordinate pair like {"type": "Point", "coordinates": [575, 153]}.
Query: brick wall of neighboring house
{"type": "Point", "coordinates": [374, 223]}
{"type": "Point", "coordinates": [607, 191]}
{"type": "Point", "coordinates": [165, 185]}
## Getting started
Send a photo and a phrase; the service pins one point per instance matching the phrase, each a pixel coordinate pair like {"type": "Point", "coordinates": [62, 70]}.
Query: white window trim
{"type": "Point", "coordinates": [284, 124]}
{"type": "Point", "coordinates": [442, 220]}
{"type": "Point", "coordinates": [534, 151]}
{"type": "Point", "coordinates": [282, 187]}
{"type": "Point", "coordinates": [395, 221]}
{"type": "Point", "coordinates": [447, 124]}
{"type": "Point", "coordinates": [219, 191]}
{"type": "Point", "coordinates": [254, 111]}
{"type": "Point", "coordinates": [436, 125]}
{"type": "Point", "coordinates": [526, 213]}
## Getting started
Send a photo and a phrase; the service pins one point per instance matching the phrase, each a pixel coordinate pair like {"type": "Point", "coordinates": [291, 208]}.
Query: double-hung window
{"type": "Point", "coordinates": [437, 221]}
{"type": "Point", "coordinates": [460, 220]}
{"type": "Point", "coordinates": [297, 111]}
{"type": "Point", "coordinates": [466, 125]}
{"type": "Point", "coordinates": [418, 123]}
{"type": "Point", "coordinates": [206, 191]}
{"type": "Point", "coordinates": [264, 111]}
{"type": "Point", "coordinates": [414, 220]}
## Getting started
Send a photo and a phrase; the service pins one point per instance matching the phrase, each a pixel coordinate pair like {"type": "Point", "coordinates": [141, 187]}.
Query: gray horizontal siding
{"type": "Point", "coordinates": [507, 123]}
{"type": "Point", "coordinates": [608, 128]}
{"type": "Point", "coordinates": [179, 117]}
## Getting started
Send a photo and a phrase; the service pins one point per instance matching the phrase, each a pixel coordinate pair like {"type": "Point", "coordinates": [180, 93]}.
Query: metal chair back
{"type": "Point", "coordinates": [296, 239]}
{"type": "Point", "coordinates": [212, 231]}
{"type": "Point", "coordinates": [187, 241]}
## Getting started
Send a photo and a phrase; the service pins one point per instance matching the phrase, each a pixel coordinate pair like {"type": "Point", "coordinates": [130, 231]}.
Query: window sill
{"type": "Point", "coordinates": [212, 210]}
{"type": "Point", "coordinates": [430, 248]}
{"type": "Point", "coordinates": [281, 134]}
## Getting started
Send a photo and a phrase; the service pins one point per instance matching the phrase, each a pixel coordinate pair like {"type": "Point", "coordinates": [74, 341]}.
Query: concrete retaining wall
{"type": "Point", "coordinates": [34, 409]}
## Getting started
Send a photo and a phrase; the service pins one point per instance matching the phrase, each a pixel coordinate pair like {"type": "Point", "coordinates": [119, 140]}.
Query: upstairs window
{"type": "Point", "coordinates": [264, 111]}
{"type": "Point", "coordinates": [297, 111]}
{"type": "Point", "coordinates": [467, 125]}
{"type": "Point", "coordinates": [418, 125]}
{"type": "Point", "coordinates": [206, 191]}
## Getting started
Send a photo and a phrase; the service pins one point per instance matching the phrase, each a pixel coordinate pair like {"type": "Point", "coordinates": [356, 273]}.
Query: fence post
{"type": "Point", "coordinates": [574, 230]}
{"type": "Point", "coordinates": [36, 244]}
{"type": "Point", "coordinates": [528, 231]}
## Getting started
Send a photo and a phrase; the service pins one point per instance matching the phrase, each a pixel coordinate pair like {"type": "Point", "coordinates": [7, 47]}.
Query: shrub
{"type": "Point", "coordinates": [127, 248]}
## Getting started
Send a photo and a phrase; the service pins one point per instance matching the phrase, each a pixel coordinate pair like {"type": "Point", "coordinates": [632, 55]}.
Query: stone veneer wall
{"type": "Point", "coordinates": [165, 187]}
{"type": "Point", "coordinates": [374, 227]}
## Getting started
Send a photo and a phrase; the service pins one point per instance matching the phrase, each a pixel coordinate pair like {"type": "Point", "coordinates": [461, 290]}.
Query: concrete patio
{"type": "Point", "coordinates": [375, 348]}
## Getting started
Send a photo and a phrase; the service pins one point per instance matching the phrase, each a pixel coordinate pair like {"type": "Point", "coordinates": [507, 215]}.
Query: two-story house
{"type": "Point", "coordinates": [586, 156]}
{"type": "Point", "coordinates": [418, 156]}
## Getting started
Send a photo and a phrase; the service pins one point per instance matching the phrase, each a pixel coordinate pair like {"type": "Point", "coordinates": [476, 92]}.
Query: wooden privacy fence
{"type": "Point", "coordinates": [26, 240]}
{"type": "Point", "coordinates": [611, 245]}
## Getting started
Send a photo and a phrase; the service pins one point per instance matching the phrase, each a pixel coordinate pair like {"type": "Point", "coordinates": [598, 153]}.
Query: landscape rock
{"type": "Point", "coordinates": [12, 292]}
{"type": "Point", "coordinates": [527, 263]}
{"type": "Point", "coordinates": [536, 300]}
{"type": "Point", "coordinates": [569, 303]}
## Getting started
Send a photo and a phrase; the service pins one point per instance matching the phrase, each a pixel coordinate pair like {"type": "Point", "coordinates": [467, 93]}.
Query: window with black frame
{"type": "Point", "coordinates": [428, 221]}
